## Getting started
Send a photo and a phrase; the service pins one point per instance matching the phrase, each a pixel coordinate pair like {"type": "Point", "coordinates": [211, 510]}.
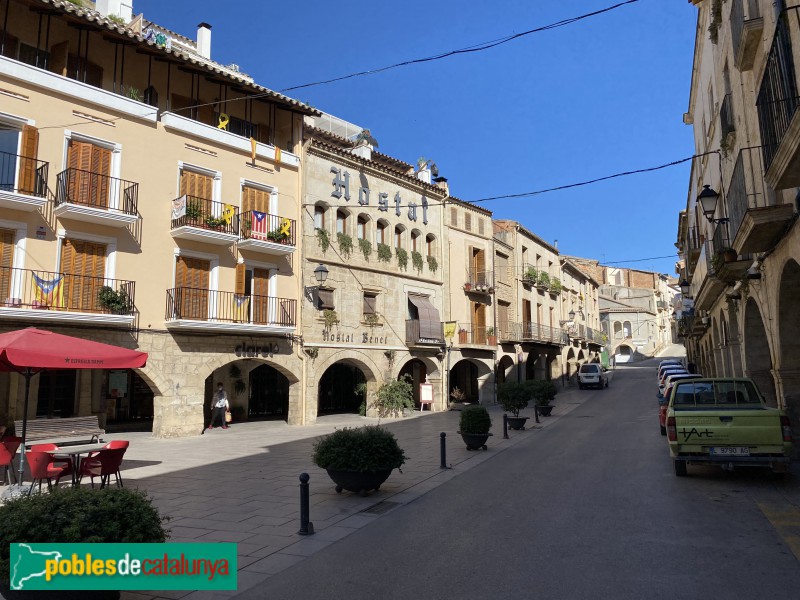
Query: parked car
{"type": "Point", "coordinates": [668, 372]}
{"type": "Point", "coordinates": [670, 379]}
{"type": "Point", "coordinates": [663, 401]}
{"type": "Point", "coordinates": [670, 361]}
{"type": "Point", "coordinates": [725, 422]}
{"type": "Point", "coordinates": [592, 374]}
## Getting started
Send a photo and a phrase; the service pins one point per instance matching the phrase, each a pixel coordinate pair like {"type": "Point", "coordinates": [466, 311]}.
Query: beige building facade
{"type": "Point", "coordinates": [738, 235]}
{"type": "Point", "coordinates": [149, 199]}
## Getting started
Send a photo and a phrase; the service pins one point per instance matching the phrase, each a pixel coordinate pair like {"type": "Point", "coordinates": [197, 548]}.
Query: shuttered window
{"type": "Point", "coordinates": [501, 267]}
{"type": "Point", "coordinates": [478, 266]}
{"type": "Point", "coordinates": [478, 323]}
{"type": "Point", "coordinates": [88, 179]}
{"type": "Point", "coordinates": [6, 262]}
{"type": "Point", "coordinates": [325, 300]}
{"type": "Point", "coordinates": [370, 304]}
{"type": "Point", "coordinates": [467, 221]}
{"type": "Point", "coordinates": [261, 296]}
{"type": "Point", "coordinates": [255, 199]}
{"type": "Point", "coordinates": [454, 216]}
{"type": "Point", "coordinates": [191, 283]}
{"type": "Point", "coordinates": [502, 320]}
{"type": "Point", "coordinates": [480, 226]}
{"type": "Point", "coordinates": [27, 161]}
{"type": "Point", "coordinates": [84, 265]}
{"type": "Point", "coordinates": [197, 184]}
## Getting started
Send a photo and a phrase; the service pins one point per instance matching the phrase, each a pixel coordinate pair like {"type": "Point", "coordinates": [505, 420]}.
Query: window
{"type": "Point", "coordinates": [480, 226]}
{"type": "Point", "coordinates": [380, 232]}
{"type": "Point", "coordinates": [84, 266]}
{"type": "Point", "coordinates": [6, 261]}
{"type": "Point", "coordinates": [319, 217]}
{"type": "Point", "coordinates": [341, 221]}
{"type": "Point", "coordinates": [467, 221]}
{"type": "Point", "coordinates": [430, 243]}
{"type": "Point", "coordinates": [325, 300]}
{"type": "Point", "coordinates": [454, 216]}
{"type": "Point", "coordinates": [88, 177]}
{"type": "Point", "coordinates": [626, 326]}
{"type": "Point", "coordinates": [501, 266]}
{"type": "Point", "coordinates": [18, 153]}
{"type": "Point", "coordinates": [414, 239]}
{"type": "Point", "coordinates": [370, 303]}
{"type": "Point", "coordinates": [398, 236]}
{"type": "Point", "coordinates": [199, 185]}
{"type": "Point", "coordinates": [361, 231]}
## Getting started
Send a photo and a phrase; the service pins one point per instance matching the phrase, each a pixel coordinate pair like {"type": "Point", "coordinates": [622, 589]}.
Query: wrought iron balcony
{"type": "Point", "coordinates": [23, 182]}
{"type": "Point", "coordinates": [46, 295]}
{"type": "Point", "coordinates": [478, 335]}
{"type": "Point", "coordinates": [510, 331]}
{"type": "Point", "coordinates": [414, 334]}
{"type": "Point", "coordinates": [96, 198]}
{"type": "Point", "coordinates": [479, 282]}
{"type": "Point", "coordinates": [206, 221]}
{"type": "Point", "coordinates": [267, 233]}
{"type": "Point", "coordinates": [757, 216]}
{"type": "Point", "coordinates": [197, 308]}
{"type": "Point", "coordinates": [746, 27]}
{"type": "Point", "coordinates": [536, 332]}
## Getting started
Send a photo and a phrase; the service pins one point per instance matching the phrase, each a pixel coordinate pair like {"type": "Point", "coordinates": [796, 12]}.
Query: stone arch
{"type": "Point", "coordinates": [536, 365]}
{"type": "Point", "coordinates": [758, 357]}
{"type": "Point", "coordinates": [627, 330]}
{"type": "Point", "coordinates": [571, 360]}
{"type": "Point", "coordinates": [321, 218]}
{"type": "Point", "coordinates": [416, 241]}
{"type": "Point", "coordinates": [789, 341]}
{"type": "Point", "coordinates": [383, 232]}
{"type": "Point", "coordinates": [399, 235]}
{"type": "Point", "coordinates": [505, 369]}
{"type": "Point", "coordinates": [362, 360]}
{"type": "Point", "coordinates": [474, 378]}
{"type": "Point", "coordinates": [345, 217]}
{"type": "Point", "coordinates": [363, 231]}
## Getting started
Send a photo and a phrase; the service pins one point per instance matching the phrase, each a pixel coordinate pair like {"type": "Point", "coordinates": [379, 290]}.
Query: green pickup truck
{"type": "Point", "coordinates": [725, 422]}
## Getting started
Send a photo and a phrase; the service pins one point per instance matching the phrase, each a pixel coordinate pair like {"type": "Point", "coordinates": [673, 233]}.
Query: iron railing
{"type": "Point", "coordinates": [67, 292]}
{"type": "Point", "coordinates": [777, 99]}
{"type": "Point", "coordinates": [479, 281]}
{"type": "Point", "coordinates": [85, 188]}
{"type": "Point", "coordinates": [23, 175]}
{"type": "Point", "coordinates": [747, 188]}
{"type": "Point", "coordinates": [726, 117]}
{"type": "Point", "coordinates": [536, 332]}
{"type": "Point", "coordinates": [510, 331]}
{"type": "Point", "coordinates": [268, 228]}
{"type": "Point", "coordinates": [413, 334]}
{"type": "Point", "coordinates": [207, 214]}
{"type": "Point", "coordinates": [481, 335]}
{"type": "Point", "coordinates": [595, 336]}
{"type": "Point", "coordinates": [196, 304]}
{"type": "Point", "coordinates": [738, 19]}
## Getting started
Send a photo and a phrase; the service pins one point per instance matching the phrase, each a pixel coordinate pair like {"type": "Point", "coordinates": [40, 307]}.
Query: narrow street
{"type": "Point", "coordinates": [587, 508]}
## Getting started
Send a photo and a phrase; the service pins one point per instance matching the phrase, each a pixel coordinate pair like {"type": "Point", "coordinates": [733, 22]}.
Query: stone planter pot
{"type": "Point", "coordinates": [545, 410]}
{"type": "Point", "coordinates": [475, 441]}
{"type": "Point", "coordinates": [360, 482]}
{"type": "Point", "coordinates": [517, 423]}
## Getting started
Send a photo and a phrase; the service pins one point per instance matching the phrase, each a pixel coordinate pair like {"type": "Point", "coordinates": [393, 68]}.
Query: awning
{"type": "Point", "coordinates": [430, 324]}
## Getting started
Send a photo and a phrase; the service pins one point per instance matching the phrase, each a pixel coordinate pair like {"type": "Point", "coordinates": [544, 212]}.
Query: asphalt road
{"type": "Point", "coordinates": [587, 508]}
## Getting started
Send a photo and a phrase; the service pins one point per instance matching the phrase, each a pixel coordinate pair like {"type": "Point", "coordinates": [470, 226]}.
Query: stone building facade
{"type": "Point", "coordinates": [739, 236]}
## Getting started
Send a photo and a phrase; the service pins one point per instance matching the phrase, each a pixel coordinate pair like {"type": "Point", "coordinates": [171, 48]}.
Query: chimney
{"type": "Point", "coordinates": [441, 182]}
{"type": "Point", "coordinates": [424, 175]}
{"type": "Point", "coordinates": [116, 8]}
{"type": "Point", "coordinates": [204, 40]}
{"type": "Point", "coordinates": [364, 150]}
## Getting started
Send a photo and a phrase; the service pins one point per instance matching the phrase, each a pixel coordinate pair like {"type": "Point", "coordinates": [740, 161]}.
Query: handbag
{"type": "Point", "coordinates": [228, 417]}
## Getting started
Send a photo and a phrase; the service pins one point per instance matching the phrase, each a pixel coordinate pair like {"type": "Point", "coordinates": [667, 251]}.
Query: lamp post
{"type": "Point", "coordinates": [685, 288]}
{"type": "Point", "coordinates": [708, 203]}
{"type": "Point", "coordinates": [321, 274]}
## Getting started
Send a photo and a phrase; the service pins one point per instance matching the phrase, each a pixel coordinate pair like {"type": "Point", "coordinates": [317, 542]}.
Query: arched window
{"type": "Point", "coordinates": [618, 330]}
{"type": "Point", "coordinates": [430, 243]}
{"type": "Point", "coordinates": [399, 230]}
{"type": "Point", "coordinates": [415, 240]}
{"type": "Point", "coordinates": [380, 232]}
{"type": "Point", "coordinates": [341, 221]}
{"type": "Point", "coordinates": [626, 327]}
{"type": "Point", "coordinates": [319, 217]}
{"type": "Point", "coordinates": [361, 228]}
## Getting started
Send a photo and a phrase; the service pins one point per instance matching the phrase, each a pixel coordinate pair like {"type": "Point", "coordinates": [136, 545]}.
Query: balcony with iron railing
{"type": "Point", "coordinates": [96, 198]}
{"type": "Point", "coordinates": [479, 282]}
{"type": "Point", "coordinates": [544, 334]}
{"type": "Point", "coordinates": [424, 334]}
{"type": "Point", "coordinates": [777, 103]}
{"type": "Point", "coordinates": [204, 220]}
{"type": "Point", "coordinates": [270, 234]}
{"type": "Point", "coordinates": [475, 335]}
{"type": "Point", "coordinates": [577, 331]}
{"type": "Point", "coordinates": [595, 336]}
{"type": "Point", "coordinates": [539, 277]}
{"type": "Point", "coordinates": [211, 310]}
{"type": "Point", "coordinates": [746, 28]}
{"type": "Point", "coordinates": [758, 215]}
{"type": "Point", "coordinates": [23, 182]}
{"type": "Point", "coordinates": [509, 331]}
{"type": "Point", "coordinates": [36, 295]}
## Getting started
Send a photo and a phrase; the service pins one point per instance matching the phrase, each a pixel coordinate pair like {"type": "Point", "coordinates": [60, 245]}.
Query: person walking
{"type": "Point", "coordinates": [219, 406]}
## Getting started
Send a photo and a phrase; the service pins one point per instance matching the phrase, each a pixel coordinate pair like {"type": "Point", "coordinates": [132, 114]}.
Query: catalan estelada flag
{"type": "Point", "coordinates": [49, 292]}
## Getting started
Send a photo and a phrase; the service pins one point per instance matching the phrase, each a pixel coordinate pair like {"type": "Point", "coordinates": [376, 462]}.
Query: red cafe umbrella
{"type": "Point", "coordinates": [29, 351]}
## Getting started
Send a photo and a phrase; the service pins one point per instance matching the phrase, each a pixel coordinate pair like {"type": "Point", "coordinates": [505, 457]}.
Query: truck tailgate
{"type": "Point", "coordinates": [757, 428]}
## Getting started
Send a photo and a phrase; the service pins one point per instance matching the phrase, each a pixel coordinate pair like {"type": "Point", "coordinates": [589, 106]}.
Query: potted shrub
{"type": "Point", "coordinates": [474, 426]}
{"type": "Point", "coordinates": [394, 397]}
{"type": "Point", "coordinates": [384, 252]}
{"type": "Point", "coordinates": [330, 317]}
{"type": "Point", "coordinates": [457, 402]}
{"type": "Point", "coordinates": [115, 302]}
{"type": "Point", "coordinates": [513, 397]}
{"type": "Point", "coordinates": [416, 260]}
{"type": "Point", "coordinates": [345, 244]}
{"type": "Point", "coordinates": [491, 338]}
{"type": "Point", "coordinates": [530, 276]}
{"type": "Point", "coordinates": [323, 239]}
{"type": "Point", "coordinates": [402, 258]}
{"type": "Point", "coordinates": [433, 264]}
{"type": "Point", "coordinates": [359, 459]}
{"type": "Point", "coordinates": [543, 393]}
{"type": "Point", "coordinates": [75, 515]}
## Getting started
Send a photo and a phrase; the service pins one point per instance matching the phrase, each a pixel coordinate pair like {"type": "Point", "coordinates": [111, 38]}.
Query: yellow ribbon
{"type": "Point", "coordinates": [285, 226]}
{"type": "Point", "coordinates": [223, 121]}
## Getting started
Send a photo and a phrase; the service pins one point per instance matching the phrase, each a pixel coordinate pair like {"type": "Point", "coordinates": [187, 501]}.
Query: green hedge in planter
{"type": "Point", "coordinates": [475, 419]}
{"type": "Point", "coordinates": [513, 396]}
{"type": "Point", "coordinates": [73, 515]}
{"type": "Point", "coordinates": [366, 449]}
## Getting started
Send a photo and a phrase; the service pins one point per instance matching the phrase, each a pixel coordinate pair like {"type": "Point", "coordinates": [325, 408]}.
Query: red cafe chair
{"type": "Point", "coordinates": [91, 458]}
{"type": "Point", "coordinates": [52, 449]}
{"type": "Point", "coordinates": [43, 465]}
{"type": "Point", "coordinates": [8, 450]}
{"type": "Point", "coordinates": [108, 464]}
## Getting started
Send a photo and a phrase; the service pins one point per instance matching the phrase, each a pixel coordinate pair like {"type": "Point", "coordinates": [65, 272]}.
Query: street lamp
{"type": "Point", "coordinates": [708, 204]}
{"type": "Point", "coordinates": [571, 318]}
{"type": "Point", "coordinates": [321, 273]}
{"type": "Point", "coordinates": [685, 288]}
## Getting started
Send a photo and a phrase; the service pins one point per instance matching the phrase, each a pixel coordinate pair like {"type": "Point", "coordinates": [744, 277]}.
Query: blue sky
{"type": "Point", "coordinates": [601, 96]}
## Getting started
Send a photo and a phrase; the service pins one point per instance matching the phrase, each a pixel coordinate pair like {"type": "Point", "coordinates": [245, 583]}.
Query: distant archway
{"type": "Point", "coordinates": [337, 389]}
{"type": "Point", "coordinates": [758, 360]}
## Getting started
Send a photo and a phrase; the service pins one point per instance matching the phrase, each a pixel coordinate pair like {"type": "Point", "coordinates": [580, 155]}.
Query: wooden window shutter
{"type": "Point", "coordinates": [27, 162]}
{"type": "Point", "coordinates": [454, 216]}
{"type": "Point", "coordinates": [101, 169]}
{"type": "Point", "coordinates": [370, 304]}
{"type": "Point", "coordinates": [79, 161]}
{"type": "Point", "coordinates": [241, 276]}
{"type": "Point", "coordinates": [255, 199]}
{"type": "Point", "coordinates": [480, 261]}
{"type": "Point", "coordinates": [480, 226]}
{"type": "Point", "coordinates": [467, 221]}
{"type": "Point", "coordinates": [6, 262]}
{"type": "Point", "coordinates": [196, 184]}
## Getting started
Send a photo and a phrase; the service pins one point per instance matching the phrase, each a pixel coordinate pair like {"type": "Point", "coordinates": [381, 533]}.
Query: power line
{"type": "Point", "coordinates": [469, 49]}
{"type": "Point", "coordinates": [616, 262]}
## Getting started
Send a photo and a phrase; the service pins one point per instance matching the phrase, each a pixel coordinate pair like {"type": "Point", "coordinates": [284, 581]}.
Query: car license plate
{"type": "Point", "coordinates": [731, 451]}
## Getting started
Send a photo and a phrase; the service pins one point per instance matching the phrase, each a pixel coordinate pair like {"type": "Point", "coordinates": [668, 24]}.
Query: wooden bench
{"type": "Point", "coordinates": [75, 430]}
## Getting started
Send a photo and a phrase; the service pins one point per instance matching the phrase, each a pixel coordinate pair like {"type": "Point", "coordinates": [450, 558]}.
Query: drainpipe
{"type": "Point", "coordinates": [494, 315]}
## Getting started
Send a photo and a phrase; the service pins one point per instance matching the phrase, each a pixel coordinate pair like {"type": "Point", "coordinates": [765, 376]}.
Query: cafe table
{"type": "Point", "coordinates": [74, 454]}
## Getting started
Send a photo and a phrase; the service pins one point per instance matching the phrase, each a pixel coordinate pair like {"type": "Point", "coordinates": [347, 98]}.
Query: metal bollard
{"type": "Point", "coordinates": [536, 412]}
{"type": "Point", "coordinates": [443, 451]}
{"type": "Point", "coordinates": [306, 527]}
{"type": "Point", "coordinates": [505, 426]}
